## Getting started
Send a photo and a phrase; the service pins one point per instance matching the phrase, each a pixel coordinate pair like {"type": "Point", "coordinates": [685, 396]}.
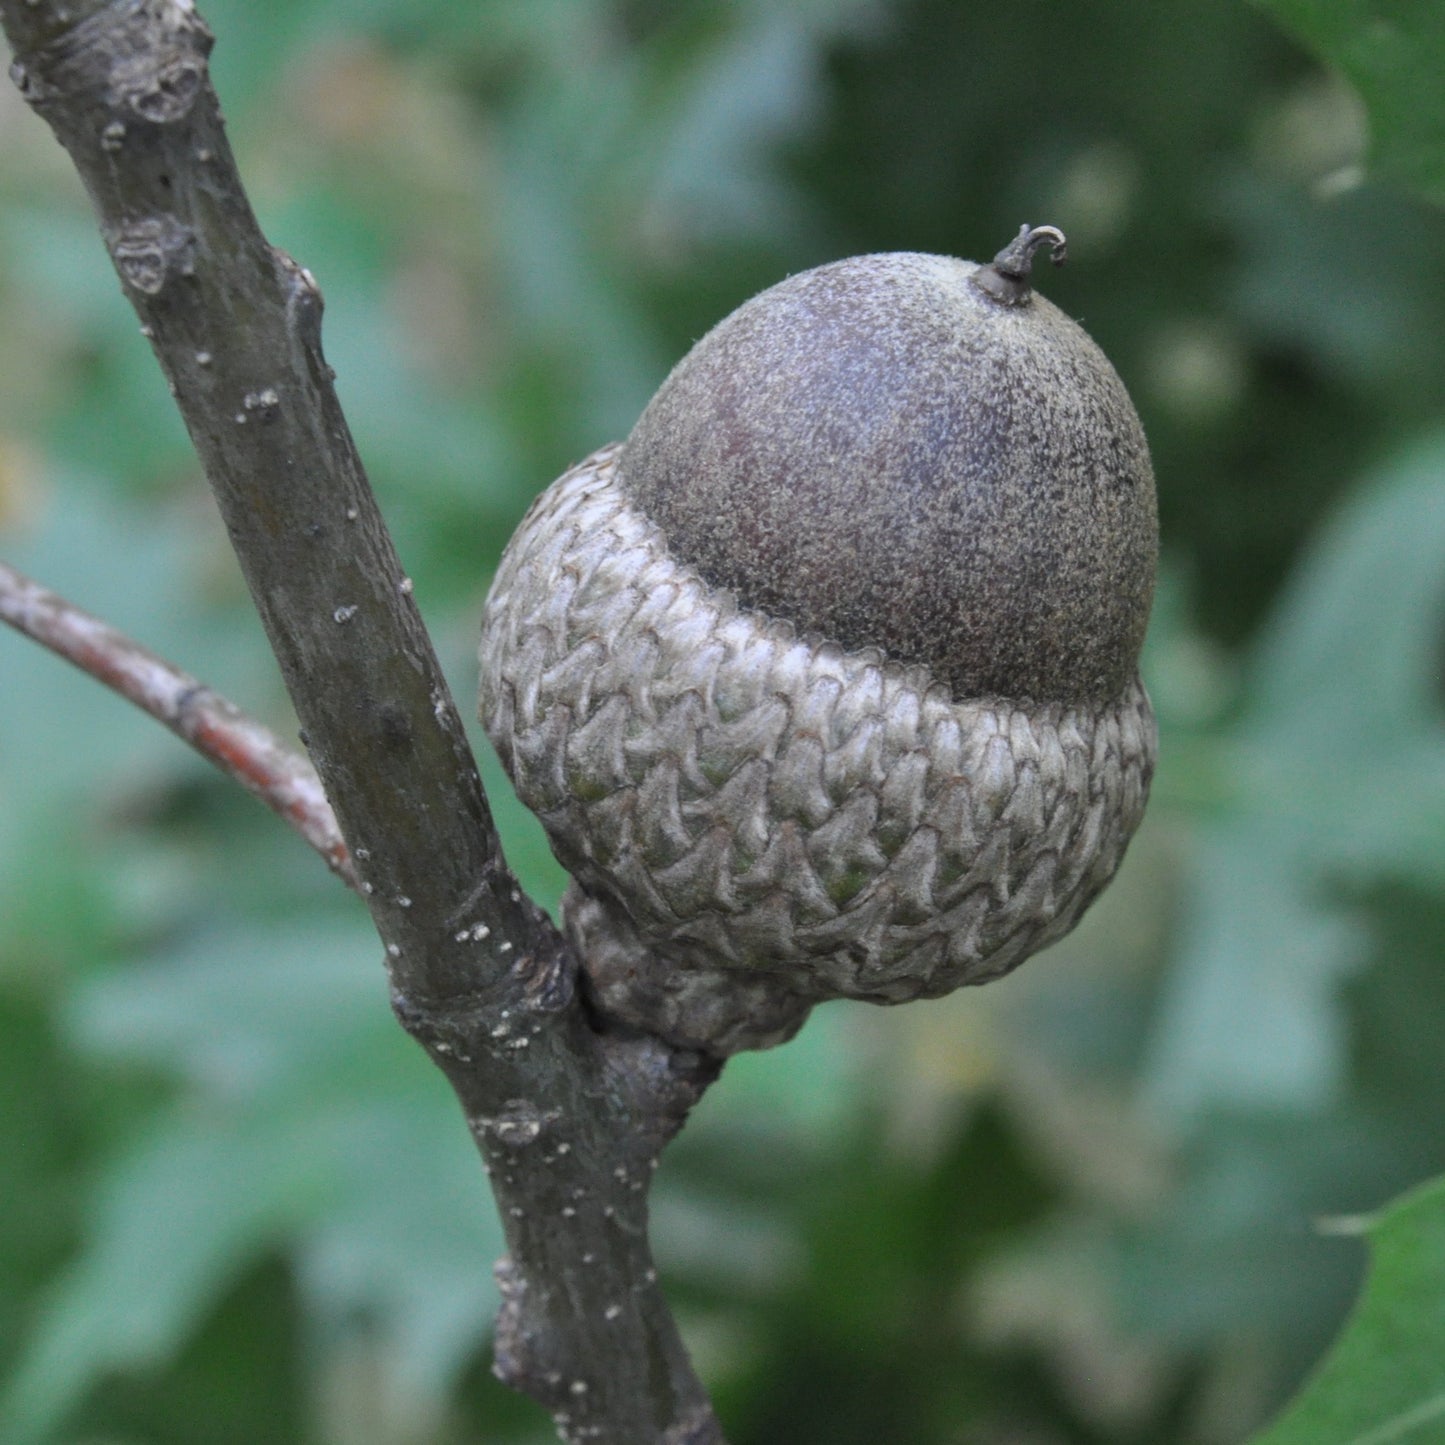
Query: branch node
{"type": "Point", "coordinates": [149, 251]}
{"type": "Point", "coordinates": [545, 981]}
{"type": "Point", "coordinates": [148, 55]}
{"type": "Point", "coordinates": [160, 89]}
{"type": "Point", "coordinates": [304, 301]}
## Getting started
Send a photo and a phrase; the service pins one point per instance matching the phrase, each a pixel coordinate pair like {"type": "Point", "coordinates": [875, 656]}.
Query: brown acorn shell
{"type": "Point", "coordinates": [881, 451]}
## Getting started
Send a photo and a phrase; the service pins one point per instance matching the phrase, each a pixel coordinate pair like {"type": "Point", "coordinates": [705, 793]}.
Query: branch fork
{"type": "Point", "coordinates": [569, 1117]}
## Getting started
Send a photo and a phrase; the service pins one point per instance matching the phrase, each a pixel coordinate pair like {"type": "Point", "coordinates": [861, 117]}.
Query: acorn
{"type": "Point", "coordinates": [824, 684]}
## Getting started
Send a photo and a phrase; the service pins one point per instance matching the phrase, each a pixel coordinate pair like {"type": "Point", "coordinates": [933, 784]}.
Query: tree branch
{"type": "Point", "coordinates": [569, 1119]}
{"type": "Point", "coordinates": [243, 748]}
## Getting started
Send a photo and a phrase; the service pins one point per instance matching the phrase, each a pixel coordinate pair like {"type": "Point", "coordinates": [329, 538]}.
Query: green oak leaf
{"type": "Point", "coordinates": [1383, 1383]}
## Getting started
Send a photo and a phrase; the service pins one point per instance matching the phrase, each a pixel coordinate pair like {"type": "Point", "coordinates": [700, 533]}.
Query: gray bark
{"type": "Point", "coordinates": [569, 1118]}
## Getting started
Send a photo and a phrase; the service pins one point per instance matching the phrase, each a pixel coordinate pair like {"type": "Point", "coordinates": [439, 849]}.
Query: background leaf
{"type": "Point", "coordinates": [1077, 1207]}
{"type": "Point", "coordinates": [1393, 52]}
{"type": "Point", "coordinates": [1384, 1381]}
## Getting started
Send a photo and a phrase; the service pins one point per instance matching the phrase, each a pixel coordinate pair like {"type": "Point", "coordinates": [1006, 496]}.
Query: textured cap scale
{"type": "Point", "coordinates": [825, 683]}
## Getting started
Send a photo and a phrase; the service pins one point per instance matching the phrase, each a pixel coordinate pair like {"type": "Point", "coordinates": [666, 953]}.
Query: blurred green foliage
{"type": "Point", "coordinates": [1078, 1207]}
{"type": "Point", "coordinates": [1393, 51]}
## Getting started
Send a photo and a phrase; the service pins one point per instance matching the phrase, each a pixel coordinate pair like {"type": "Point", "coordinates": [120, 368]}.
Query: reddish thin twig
{"type": "Point", "coordinates": [240, 746]}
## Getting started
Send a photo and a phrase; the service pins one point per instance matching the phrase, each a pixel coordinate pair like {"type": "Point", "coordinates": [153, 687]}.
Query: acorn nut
{"type": "Point", "coordinates": [825, 683]}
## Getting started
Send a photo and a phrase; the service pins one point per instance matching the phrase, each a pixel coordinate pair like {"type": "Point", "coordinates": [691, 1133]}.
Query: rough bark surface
{"type": "Point", "coordinates": [569, 1119]}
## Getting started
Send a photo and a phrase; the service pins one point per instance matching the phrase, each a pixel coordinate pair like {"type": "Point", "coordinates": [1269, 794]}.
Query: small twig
{"type": "Point", "coordinates": [242, 747]}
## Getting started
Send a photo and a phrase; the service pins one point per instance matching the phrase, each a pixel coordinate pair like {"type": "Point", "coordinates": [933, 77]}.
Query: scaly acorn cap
{"type": "Point", "coordinates": [826, 683]}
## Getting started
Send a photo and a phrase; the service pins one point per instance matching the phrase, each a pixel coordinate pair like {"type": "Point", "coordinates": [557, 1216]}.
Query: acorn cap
{"type": "Point", "coordinates": [755, 821]}
{"type": "Point", "coordinates": [918, 454]}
